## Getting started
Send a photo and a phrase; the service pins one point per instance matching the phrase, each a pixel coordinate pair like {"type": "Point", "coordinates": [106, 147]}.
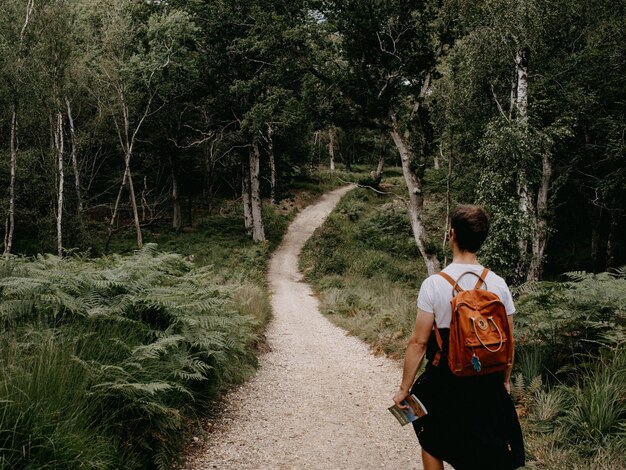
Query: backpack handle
{"type": "Point", "coordinates": [481, 341]}
{"type": "Point", "coordinates": [455, 284]}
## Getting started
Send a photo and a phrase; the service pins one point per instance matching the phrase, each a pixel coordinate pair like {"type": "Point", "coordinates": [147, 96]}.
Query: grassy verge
{"type": "Point", "coordinates": [570, 375]}
{"type": "Point", "coordinates": [365, 266]}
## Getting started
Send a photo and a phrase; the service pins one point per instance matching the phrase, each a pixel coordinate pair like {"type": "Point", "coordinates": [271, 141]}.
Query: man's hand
{"type": "Point", "coordinates": [399, 397]}
{"type": "Point", "coordinates": [507, 386]}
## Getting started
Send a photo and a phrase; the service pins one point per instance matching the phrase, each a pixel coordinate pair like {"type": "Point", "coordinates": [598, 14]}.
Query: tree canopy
{"type": "Point", "coordinates": [124, 112]}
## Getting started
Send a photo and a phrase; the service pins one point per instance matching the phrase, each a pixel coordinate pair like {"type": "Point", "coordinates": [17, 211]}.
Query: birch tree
{"type": "Point", "coordinates": [14, 51]}
{"type": "Point", "coordinates": [130, 79]}
{"type": "Point", "coordinates": [391, 52]}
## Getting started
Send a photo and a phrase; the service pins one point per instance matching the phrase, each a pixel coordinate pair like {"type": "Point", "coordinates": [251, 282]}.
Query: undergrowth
{"type": "Point", "coordinates": [570, 376]}
{"type": "Point", "coordinates": [104, 361]}
{"type": "Point", "coordinates": [366, 268]}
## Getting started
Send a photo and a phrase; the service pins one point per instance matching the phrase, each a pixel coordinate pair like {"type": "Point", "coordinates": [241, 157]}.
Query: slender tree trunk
{"type": "Point", "coordinates": [415, 203]}
{"type": "Point", "coordinates": [133, 203]}
{"type": "Point", "coordinates": [127, 142]}
{"type": "Point", "coordinates": [209, 167]}
{"type": "Point", "coordinates": [10, 221]}
{"type": "Point", "coordinates": [612, 240]}
{"type": "Point", "coordinates": [349, 150]}
{"type": "Point", "coordinates": [270, 151]}
{"type": "Point", "coordinates": [14, 143]}
{"type": "Point", "coordinates": [118, 199]}
{"type": "Point", "coordinates": [258, 230]}
{"type": "Point", "coordinates": [245, 196]}
{"type": "Point", "coordinates": [448, 200]}
{"type": "Point", "coordinates": [513, 99]}
{"type": "Point", "coordinates": [79, 197]}
{"type": "Point", "coordinates": [58, 144]}
{"type": "Point", "coordinates": [145, 207]}
{"type": "Point", "coordinates": [521, 69]}
{"type": "Point", "coordinates": [331, 147]}
{"type": "Point", "coordinates": [596, 220]}
{"type": "Point", "coordinates": [317, 144]}
{"type": "Point", "coordinates": [521, 108]}
{"type": "Point", "coordinates": [377, 174]}
{"type": "Point", "coordinates": [540, 225]}
{"type": "Point", "coordinates": [176, 210]}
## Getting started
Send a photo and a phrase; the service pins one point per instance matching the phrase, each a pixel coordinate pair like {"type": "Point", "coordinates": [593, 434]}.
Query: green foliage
{"type": "Point", "coordinates": [364, 264]}
{"type": "Point", "coordinates": [571, 320]}
{"type": "Point", "coordinates": [572, 362]}
{"type": "Point", "coordinates": [597, 414]}
{"type": "Point", "coordinates": [113, 356]}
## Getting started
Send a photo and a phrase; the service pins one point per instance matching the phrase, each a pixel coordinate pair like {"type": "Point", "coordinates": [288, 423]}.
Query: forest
{"type": "Point", "coordinates": [151, 152]}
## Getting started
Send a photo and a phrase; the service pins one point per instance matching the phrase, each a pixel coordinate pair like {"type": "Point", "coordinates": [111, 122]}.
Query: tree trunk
{"type": "Point", "coordinates": [133, 203]}
{"type": "Point", "coordinates": [13, 144]}
{"type": "Point", "coordinates": [377, 174]}
{"type": "Point", "coordinates": [245, 196]}
{"type": "Point", "coordinates": [349, 150]}
{"type": "Point", "coordinates": [270, 151]}
{"type": "Point", "coordinates": [521, 108]}
{"type": "Point", "coordinates": [145, 207]}
{"type": "Point", "coordinates": [176, 210]}
{"type": "Point", "coordinates": [331, 147]}
{"type": "Point", "coordinates": [58, 144]}
{"type": "Point", "coordinates": [540, 224]}
{"type": "Point", "coordinates": [10, 222]}
{"type": "Point", "coordinates": [115, 209]}
{"type": "Point", "coordinates": [513, 98]}
{"type": "Point", "coordinates": [521, 98]}
{"type": "Point", "coordinates": [79, 198]}
{"type": "Point", "coordinates": [415, 203]}
{"type": "Point", "coordinates": [612, 240]}
{"type": "Point", "coordinates": [127, 141]}
{"type": "Point", "coordinates": [448, 199]}
{"type": "Point", "coordinates": [258, 230]}
{"type": "Point", "coordinates": [596, 220]}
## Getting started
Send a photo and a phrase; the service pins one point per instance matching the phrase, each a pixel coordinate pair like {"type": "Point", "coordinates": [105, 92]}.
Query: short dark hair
{"type": "Point", "coordinates": [471, 226]}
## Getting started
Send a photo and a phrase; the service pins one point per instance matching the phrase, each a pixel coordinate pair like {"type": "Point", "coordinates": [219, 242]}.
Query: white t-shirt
{"type": "Point", "coordinates": [436, 292]}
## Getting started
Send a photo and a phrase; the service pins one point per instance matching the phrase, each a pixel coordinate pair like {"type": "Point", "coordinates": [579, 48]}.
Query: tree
{"type": "Point", "coordinates": [14, 52]}
{"type": "Point", "coordinates": [390, 49]}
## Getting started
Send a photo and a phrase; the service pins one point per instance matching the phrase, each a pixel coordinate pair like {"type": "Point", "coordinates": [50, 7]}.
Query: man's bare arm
{"type": "Point", "coordinates": [415, 351]}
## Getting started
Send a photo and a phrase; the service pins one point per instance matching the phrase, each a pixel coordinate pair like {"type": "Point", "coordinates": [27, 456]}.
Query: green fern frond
{"type": "Point", "coordinates": [154, 350]}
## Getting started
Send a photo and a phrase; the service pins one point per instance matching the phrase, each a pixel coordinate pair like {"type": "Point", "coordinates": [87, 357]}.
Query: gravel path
{"type": "Point", "coordinates": [319, 399]}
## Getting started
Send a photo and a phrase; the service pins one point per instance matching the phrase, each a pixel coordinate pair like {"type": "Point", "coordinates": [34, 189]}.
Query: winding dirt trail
{"type": "Point", "coordinates": [319, 398]}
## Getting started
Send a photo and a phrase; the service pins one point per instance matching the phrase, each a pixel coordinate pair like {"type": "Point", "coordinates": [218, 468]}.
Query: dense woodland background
{"type": "Point", "coordinates": [130, 113]}
{"type": "Point", "coordinates": [203, 127]}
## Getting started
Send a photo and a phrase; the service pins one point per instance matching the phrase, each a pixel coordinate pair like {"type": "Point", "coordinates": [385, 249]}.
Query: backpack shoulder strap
{"type": "Point", "coordinates": [481, 279]}
{"type": "Point", "coordinates": [454, 284]}
{"type": "Point", "coordinates": [455, 287]}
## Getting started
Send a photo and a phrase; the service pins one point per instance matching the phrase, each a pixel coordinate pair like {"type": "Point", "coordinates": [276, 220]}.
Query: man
{"type": "Point", "coordinates": [471, 421]}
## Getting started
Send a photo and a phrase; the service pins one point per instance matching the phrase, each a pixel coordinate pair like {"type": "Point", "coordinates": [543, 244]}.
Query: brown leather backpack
{"type": "Point", "coordinates": [480, 339]}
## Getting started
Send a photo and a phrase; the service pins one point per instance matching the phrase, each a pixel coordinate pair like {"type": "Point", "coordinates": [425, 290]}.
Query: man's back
{"type": "Point", "coordinates": [436, 293]}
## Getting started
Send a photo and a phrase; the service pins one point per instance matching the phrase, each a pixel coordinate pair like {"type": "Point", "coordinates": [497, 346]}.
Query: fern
{"type": "Point", "coordinates": [150, 335]}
